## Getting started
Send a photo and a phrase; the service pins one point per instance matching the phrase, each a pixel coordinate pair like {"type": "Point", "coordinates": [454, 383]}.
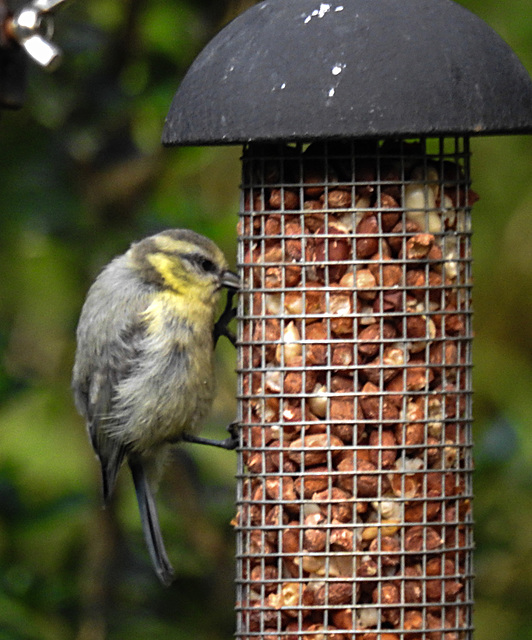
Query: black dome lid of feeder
{"type": "Point", "coordinates": [310, 70]}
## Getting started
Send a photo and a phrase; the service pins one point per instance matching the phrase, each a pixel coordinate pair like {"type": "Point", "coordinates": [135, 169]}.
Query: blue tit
{"type": "Point", "coordinates": [143, 374]}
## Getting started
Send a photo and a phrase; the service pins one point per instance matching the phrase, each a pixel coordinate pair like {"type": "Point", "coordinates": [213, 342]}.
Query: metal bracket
{"type": "Point", "coordinates": [12, 66]}
{"type": "Point", "coordinates": [32, 28]}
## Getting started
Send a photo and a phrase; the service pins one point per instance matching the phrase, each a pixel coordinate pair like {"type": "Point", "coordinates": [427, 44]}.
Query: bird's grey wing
{"type": "Point", "coordinates": [124, 354]}
{"type": "Point", "coordinates": [109, 345]}
{"type": "Point", "coordinates": [93, 398]}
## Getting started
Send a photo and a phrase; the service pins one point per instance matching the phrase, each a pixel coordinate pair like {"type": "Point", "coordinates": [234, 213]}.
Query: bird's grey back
{"type": "Point", "coordinates": [108, 317]}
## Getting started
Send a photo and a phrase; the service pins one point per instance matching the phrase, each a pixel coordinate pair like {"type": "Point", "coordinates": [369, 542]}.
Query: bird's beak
{"type": "Point", "coordinates": [230, 280]}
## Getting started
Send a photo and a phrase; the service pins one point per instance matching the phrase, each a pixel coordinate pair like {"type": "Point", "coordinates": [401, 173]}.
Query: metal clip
{"type": "Point", "coordinates": [32, 27]}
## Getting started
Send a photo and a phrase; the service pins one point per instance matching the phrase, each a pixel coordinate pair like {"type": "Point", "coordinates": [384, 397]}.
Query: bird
{"type": "Point", "coordinates": [143, 375]}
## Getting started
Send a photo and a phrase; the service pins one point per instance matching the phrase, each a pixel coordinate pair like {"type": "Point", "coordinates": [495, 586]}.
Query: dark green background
{"type": "Point", "coordinates": [83, 174]}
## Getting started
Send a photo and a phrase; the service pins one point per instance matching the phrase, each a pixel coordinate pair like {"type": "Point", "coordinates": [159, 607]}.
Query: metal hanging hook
{"type": "Point", "coordinates": [32, 27]}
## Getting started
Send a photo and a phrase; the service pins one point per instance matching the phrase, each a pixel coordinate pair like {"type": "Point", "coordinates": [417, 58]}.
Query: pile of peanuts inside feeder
{"type": "Point", "coordinates": [354, 510]}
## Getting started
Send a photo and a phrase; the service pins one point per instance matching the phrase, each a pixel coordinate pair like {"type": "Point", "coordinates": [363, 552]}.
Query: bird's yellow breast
{"type": "Point", "coordinates": [180, 326]}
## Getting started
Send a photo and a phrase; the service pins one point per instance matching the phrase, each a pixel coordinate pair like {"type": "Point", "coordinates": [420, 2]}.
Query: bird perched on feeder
{"type": "Point", "coordinates": [143, 373]}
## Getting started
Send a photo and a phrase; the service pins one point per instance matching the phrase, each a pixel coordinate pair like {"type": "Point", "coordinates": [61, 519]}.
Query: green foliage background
{"type": "Point", "coordinates": [82, 175]}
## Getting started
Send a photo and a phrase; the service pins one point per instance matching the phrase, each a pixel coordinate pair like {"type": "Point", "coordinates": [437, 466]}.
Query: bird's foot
{"type": "Point", "coordinates": [229, 443]}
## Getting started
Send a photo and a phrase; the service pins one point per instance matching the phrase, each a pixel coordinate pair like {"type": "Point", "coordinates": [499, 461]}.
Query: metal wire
{"type": "Point", "coordinates": [354, 482]}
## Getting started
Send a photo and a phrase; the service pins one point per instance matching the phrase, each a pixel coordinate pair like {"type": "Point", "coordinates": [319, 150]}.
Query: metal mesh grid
{"type": "Point", "coordinates": [354, 481]}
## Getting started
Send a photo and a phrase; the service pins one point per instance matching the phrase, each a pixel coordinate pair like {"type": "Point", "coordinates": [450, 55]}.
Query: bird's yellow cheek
{"type": "Point", "coordinates": [168, 269]}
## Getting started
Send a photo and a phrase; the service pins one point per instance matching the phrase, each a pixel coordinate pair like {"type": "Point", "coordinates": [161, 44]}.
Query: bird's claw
{"type": "Point", "coordinates": [228, 314]}
{"type": "Point", "coordinates": [232, 428]}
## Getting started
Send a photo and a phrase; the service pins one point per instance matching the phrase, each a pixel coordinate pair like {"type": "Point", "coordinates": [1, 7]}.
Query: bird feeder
{"type": "Point", "coordinates": [354, 516]}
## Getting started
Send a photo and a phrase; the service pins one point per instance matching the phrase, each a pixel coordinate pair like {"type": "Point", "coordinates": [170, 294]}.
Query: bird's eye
{"type": "Point", "coordinates": [201, 263]}
{"type": "Point", "coordinates": [207, 265]}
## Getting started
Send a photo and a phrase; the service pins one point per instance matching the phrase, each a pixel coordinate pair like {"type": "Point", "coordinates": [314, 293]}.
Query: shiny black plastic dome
{"type": "Point", "coordinates": [311, 70]}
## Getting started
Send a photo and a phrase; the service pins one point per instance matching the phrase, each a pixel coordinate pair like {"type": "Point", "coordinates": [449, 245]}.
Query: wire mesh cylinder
{"type": "Point", "coordinates": [354, 482]}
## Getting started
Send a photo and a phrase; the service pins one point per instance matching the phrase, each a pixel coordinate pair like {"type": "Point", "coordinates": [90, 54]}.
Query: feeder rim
{"type": "Point", "coordinates": [273, 75]}
{"type": "Point", "coordinates": [199, 142]}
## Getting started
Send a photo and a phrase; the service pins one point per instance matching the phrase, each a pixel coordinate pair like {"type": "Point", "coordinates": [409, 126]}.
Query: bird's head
{"type": "Point", "coordinates": [183, 262]}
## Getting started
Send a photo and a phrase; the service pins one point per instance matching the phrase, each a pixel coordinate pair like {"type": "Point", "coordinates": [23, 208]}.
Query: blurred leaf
{"type": "Point", "coordinates": [40, 435]}
{"type": "Point", "coordinates": [20, 622]}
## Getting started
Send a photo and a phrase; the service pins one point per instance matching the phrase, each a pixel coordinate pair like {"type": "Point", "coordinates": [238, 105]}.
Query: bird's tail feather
{"type": "Point", "coordinates": [150, 523]}
{"type": "Point", "coordinates": [110, 464]}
